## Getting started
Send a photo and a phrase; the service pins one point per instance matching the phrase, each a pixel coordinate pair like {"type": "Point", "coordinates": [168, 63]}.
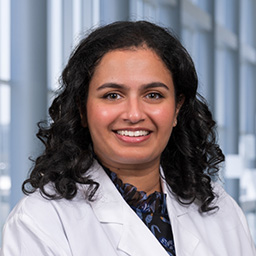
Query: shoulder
{"type": "Point", "coordinates": [38, 226]}
{"type": "Point", "coordinates": [35, 213]}
{"type": "Point", "coordinates": [228, 208]}
{"type": "Point", "coordinates": [227, 213]}
{"type": "Point", "coordinates": [226, 205]}
{"type": "Point", "coordinates": [223, 200]}
{"type": "Point", "coordinates": [37, 208]}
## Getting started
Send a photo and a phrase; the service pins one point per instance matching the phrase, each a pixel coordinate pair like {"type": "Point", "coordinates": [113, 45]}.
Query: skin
{"type": "Point", "coordinates": [131, 91]}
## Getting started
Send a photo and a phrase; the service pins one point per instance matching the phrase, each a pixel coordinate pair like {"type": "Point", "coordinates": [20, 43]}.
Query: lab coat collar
{"type": "Point", "coordinates": [115, 214]}
{"type": "Point", "coordinates": [185, 241]}
{"type": "Point", "coordinates": [177, 209]}
{"type": "Point", "coordinates": [136, 239]}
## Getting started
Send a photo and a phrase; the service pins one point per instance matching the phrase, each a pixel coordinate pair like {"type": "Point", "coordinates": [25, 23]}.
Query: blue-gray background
{"type": "Point", "coordinates": [37, 36]}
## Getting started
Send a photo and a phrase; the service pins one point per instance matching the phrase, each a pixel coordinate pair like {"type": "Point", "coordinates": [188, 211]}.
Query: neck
{"type": "Point", "coordinates": [146, 179]}
{"type": "Point", "coordinates": [148, 183]}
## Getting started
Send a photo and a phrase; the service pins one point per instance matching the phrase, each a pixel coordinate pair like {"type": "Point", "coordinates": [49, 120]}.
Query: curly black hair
{"type": "Point", "coordinates": [192, 154]}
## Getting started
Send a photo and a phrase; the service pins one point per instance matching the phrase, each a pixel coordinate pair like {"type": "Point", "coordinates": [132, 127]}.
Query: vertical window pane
{"type": "Point", "coordinates": [4, 104]}
{"type": "Point", "coordinates": [227, 14]}
{"type": "Point", "coordinates": [248, 20]}
{"type": "Point", "coordinates": [220, 12]}
{"type": "Point", "coordinates": [247, 99]}
{"type": "Point", "coordinates": [77, 25]}
{"type": "Point", "coordinates": [54, 42]}
{"type": "Point", "coordinates": [203, 4]}
{"type": "Point", "coordinates": [5, 39]}
{"type": "Point", "coordinates": [5, 183]}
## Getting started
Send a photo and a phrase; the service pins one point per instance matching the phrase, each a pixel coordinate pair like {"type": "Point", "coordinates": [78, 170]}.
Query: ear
{"type": "Point", "coordinates": [179, 104]}
{"type": "Point", "coordinates": [83, 120]}
{"type": "Point", "coordinates": [82, 112]}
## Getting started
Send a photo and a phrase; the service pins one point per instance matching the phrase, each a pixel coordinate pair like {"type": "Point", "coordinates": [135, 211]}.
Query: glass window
{"type": "Point", "coordinates": [5, 183]}
{"type": "Point", "coordinates": [205, 5]}
{"type": "Point", "coordinates": [247, 99]}
{"type": "Point", "coordinates": [197, 42]}
{"type": "Point", "coordinates": [227, 13]}
{"type": "Point", "coordinates": [214, 51]}
{"type": "Point", "coordinates": [248, 33]}
{"type": "Point", "coordinates": [64, 33]}
{"type": "Point", "coordinates": [5, 95]}
{"type": "Point", "coordinates": [5, 40]}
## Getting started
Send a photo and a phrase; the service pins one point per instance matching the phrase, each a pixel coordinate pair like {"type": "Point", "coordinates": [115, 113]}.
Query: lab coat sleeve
{"type": "Point", "coordinates": [233, 211]}
{"type": "Point", "coordinates": [245, 225]}
{"type": "Point", "coordinates": [22, 236]}
{"type": "Point", "coordinates": [34, 228]}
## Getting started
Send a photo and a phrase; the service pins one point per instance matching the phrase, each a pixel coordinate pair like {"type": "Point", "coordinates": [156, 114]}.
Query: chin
{"type": "Point", "coordinates": [134, 160]}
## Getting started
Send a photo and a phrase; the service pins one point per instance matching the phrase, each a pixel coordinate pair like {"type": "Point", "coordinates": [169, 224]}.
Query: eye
{"type": "Point", "coordinates": [154, 96]}
{"type": "Point", "coordinates": [112, 96]}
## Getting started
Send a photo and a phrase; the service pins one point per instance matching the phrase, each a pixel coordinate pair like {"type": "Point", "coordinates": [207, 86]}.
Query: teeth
{"type": "Point", "coordinates": [133, 134]}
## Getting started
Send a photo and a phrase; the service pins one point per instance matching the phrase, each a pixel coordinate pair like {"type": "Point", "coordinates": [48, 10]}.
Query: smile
{"type": "Point", "coordinates": [132, 133]}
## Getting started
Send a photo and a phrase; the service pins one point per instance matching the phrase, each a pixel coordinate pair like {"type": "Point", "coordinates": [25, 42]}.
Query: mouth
{"type": "Point", "coordinates": [138, 133]}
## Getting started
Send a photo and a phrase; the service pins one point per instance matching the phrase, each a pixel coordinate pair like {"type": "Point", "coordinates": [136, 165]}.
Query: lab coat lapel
{"type": "Point", "coordinates": [184, 239]}
{"type": "Point", "coordinates": [137, 239]}
{"type": "Point", "coordinates": [118, 219]}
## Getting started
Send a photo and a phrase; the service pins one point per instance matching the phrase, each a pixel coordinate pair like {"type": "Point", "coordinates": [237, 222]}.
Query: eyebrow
{"type": "Point", "coordinates": [144, 87]}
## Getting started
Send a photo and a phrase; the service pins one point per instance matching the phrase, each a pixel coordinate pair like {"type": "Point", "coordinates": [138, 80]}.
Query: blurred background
{"type": "Point", "coordinates": [37, 37]}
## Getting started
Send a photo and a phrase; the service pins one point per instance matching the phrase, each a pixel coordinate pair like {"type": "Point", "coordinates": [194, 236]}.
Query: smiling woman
{"type": "Point", "coordinates": [131, 93]}
{"type": "Point", "coordinates": [130, 112]}
{"type": "Point", "coordinates": [128, 159]}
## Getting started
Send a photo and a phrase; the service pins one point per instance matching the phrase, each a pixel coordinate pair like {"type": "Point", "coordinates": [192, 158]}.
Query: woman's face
{"type": "Point", "coordinates": [131, 108]}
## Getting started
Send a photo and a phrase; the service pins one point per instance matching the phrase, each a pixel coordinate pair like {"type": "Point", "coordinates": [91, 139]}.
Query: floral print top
{"type": "Point", "coordinates": [151, 209]}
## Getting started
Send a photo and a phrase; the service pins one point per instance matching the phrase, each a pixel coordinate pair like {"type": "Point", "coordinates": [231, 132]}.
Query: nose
{"type": "Point", "coordinates": [134, 112]}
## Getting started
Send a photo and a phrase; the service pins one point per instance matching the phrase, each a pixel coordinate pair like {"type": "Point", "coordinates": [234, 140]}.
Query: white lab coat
{"type": "Point", "coordinates": [108, 226]}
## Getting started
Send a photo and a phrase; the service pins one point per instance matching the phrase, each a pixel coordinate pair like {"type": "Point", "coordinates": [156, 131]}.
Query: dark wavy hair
{"type": "Point", "coordinates": [191, 156]}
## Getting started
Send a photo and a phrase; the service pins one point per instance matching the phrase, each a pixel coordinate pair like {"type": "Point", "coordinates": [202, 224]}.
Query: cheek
{"type": "Point", "coordinates": [164, 115]}
{"type": "Point", "coordinates": [100, 115]}
{"type": "Point", "coordinates": [94, 109]}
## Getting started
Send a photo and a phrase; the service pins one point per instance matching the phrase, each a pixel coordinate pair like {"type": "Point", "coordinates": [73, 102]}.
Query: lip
{"type": "Point", "coordinates": [133, 139]}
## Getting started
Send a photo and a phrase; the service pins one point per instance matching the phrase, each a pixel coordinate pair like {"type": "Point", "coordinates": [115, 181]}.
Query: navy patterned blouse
{"type": "Point", "coordinates": [151, 209]}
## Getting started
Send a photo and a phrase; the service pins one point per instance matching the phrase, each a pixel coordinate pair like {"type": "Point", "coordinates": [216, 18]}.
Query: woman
{"type": "Point", "coordinates": [128, 159]}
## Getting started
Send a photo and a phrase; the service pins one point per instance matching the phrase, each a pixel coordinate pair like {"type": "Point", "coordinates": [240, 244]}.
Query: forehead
{"type": "Point", "coordinates": [125, 54]}
{"type": "Point", "coordinates": [135, 63]}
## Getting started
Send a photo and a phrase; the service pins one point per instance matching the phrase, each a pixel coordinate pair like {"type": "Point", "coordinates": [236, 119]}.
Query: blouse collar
{"type": "Point", "coordinates": [153, 203]}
